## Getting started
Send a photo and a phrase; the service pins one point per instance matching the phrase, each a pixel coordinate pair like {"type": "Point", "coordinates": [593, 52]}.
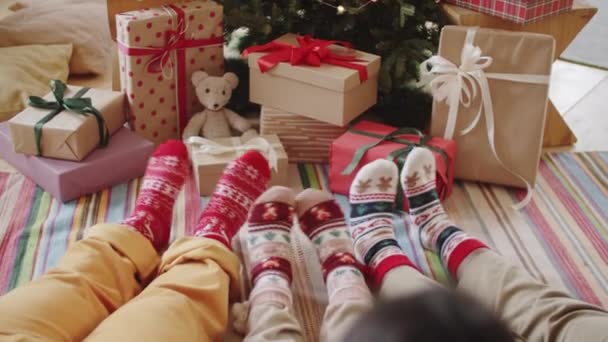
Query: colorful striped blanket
{"type": "Point", "coordinates": [560, 238]}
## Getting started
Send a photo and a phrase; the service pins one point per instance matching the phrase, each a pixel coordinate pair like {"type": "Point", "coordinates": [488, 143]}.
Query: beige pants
{"type": "Point", "coordinates": [534, 311]}
{"type": "Point", "coordinates": [95, 293]}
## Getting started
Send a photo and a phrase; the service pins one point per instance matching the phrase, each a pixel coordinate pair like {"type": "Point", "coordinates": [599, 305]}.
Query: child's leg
{"type": "Point", "coordinates": [534, 311]}
{"type": "Point", "coordinates": [404, 281]}
{"type": "Point", "coordinates": [188, 301]}
{"type": "Point", "coordinates": [271, 315]}
{"type": "Point", "coordinates": [100, 273]}
{"type": "Point", "coordinates": [322, 220]}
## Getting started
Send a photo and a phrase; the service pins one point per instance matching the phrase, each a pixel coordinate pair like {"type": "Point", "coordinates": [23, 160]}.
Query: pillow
{"type": "Point", "coordinates": [26, 70]}
{"type": "Point", "coordinates": [81, 23]}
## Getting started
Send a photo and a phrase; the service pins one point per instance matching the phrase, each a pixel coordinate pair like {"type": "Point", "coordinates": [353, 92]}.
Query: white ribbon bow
{"type": "Point", "coordinates": [202, 146]}
{"type": "Point", "coordinates": [460, 84]}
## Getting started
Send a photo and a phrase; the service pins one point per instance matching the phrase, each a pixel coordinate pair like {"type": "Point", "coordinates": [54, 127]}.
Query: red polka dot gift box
{"type": "Point", "coordinates": [159, 49]}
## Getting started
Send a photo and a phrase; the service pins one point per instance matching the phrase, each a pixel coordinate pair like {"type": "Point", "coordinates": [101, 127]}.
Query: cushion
{"type": "Point", "coordinates": [26, 70]}
{"type": "Point", "coordinates": [81, 23]}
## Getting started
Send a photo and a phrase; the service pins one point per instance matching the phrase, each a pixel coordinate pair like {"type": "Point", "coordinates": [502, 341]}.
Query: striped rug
{"type": "Point", "coordinates": [561, 237]}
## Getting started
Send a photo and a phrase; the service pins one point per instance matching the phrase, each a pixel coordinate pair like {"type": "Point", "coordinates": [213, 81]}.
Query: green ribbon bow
{"type": "Point", "coordinates": [76, 104]}
{"type": "Point", "coordinates": [399, 155]}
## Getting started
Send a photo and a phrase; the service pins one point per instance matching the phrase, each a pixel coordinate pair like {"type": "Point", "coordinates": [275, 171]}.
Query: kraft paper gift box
{"type": "Point", "coordinates": [312, 86]}
{"type": "Point", "coordinates": [519, 11]}
{"type": "Point", "coordinates": [305, 140]}
{"type": "Point", "coordinates": [159, 49]}
{"type": "Point", "coordinates": [126, 156]}
{"type": "Point", "coordinates": [500, 132]}
{"type": "Point", "coordinates": [210, 158]}
{"type": "Point", "coordinates": [367, 141]}
{"type": "Point", "coordinates": [68, 135]}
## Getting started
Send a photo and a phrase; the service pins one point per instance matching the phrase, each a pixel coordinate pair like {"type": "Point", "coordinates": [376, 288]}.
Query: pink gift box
{"type": "Point", "coordinates": [519, 11]}
{"type": "Point", "coordinates": [123, 159]}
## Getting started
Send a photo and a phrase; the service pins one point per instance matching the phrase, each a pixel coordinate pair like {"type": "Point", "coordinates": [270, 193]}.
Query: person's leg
{"type": "Point", "coordinates": [101, 272]}
{"type": "Point", "coordinates": [188, 300]}
{"type": "Point", "coordinates": [534, 311]}
{"type": "Point", "coordinates": [271, 316]}
{"type": "Point", "coordinates": [322, 220]}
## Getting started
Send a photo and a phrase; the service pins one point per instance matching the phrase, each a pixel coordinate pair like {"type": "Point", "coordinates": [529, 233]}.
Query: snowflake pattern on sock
{"type": "Point", "coordinates": [162, 182]}
{"type": "Point", "coordinates": [242, 182]}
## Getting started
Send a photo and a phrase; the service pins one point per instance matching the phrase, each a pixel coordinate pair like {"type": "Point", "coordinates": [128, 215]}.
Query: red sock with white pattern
{"type": "Point", "coordinates": [243, 181]}
{"type": "Point", "coordinates": [163, 179]}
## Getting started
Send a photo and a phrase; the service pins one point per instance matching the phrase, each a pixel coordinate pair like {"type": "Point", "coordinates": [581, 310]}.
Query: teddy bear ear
{"type": "Point", "coordinates": [198, 76]}
{"type": "Point", "coordinates": [232, 79]}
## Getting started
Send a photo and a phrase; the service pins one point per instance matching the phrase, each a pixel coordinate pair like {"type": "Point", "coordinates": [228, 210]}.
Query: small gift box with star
{"type": "Point", "coordinates": [325, 80]}
{"type": "Point", "coordinates": [68, 123]}
{"type": "Point", "coordinates": [367, 141]}
{"type": "Point", "coordinates": [159, 50]}
{"type": "Point", "coordinates": [211, 156]}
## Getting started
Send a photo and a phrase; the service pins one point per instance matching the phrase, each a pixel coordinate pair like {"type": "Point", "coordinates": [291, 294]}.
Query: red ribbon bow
{"type": "Point", "coordinates": [312, 52]}
{"type": "Point", "coordinates": [161, 56]}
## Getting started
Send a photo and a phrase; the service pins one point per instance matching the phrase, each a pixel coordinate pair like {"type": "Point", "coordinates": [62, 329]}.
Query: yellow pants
{"type": "Point", "coordinates": [95, 292]}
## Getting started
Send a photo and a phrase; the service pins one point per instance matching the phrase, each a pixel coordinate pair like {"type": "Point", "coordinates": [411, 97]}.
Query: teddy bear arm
{"type": "Point", "coordinates": [236, 121]}
{"type": "Point", "coordinates": [194, 126]}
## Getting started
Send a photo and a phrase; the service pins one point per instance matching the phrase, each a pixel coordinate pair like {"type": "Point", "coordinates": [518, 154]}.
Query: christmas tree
{"type": "Point", "coordinates": [403, 32]}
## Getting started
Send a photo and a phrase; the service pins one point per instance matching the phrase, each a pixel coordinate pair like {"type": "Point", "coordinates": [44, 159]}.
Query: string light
{"type": "Point", "coordinates": [341, 9]}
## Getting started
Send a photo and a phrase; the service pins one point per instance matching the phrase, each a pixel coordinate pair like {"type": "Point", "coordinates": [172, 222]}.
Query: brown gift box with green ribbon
{"type": "Point", "coordinates": [68, 123]}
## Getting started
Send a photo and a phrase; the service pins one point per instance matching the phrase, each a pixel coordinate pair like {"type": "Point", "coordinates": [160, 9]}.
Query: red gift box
{"type": "Point", "coordinates": [519, 11]}
{"type": "Point", "coordinates": [367, 141]}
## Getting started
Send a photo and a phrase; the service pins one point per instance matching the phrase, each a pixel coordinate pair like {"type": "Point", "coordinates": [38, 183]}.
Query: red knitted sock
{"type": "Point", "coordinates": [164, 177]}
{"type": "Point", "coordinates": [242, 183]}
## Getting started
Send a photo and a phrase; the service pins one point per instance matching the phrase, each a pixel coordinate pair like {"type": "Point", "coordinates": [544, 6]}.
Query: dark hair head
{"type": "Point", "coordinates": [432, 315]}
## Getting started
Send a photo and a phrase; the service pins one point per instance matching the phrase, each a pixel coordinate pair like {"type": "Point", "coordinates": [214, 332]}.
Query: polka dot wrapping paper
{"type": "Point", "coordinates": [159, 49]}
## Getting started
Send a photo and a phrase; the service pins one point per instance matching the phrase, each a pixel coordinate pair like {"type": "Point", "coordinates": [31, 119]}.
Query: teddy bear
{"type": "Point", "coordinates": [216, 121]}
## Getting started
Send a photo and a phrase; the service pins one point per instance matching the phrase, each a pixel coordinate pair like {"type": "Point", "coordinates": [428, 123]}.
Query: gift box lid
{"type": "Point", "coordinates": [208, 160]}
{"type": "Point", "coordinates": [327, 76]}
{"type": "Point", "coordinates": [120, 6]}
{"type": "Point", "coordinates": [507, 49]}
{"type": "Point", "coordinates": [152, 22]}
